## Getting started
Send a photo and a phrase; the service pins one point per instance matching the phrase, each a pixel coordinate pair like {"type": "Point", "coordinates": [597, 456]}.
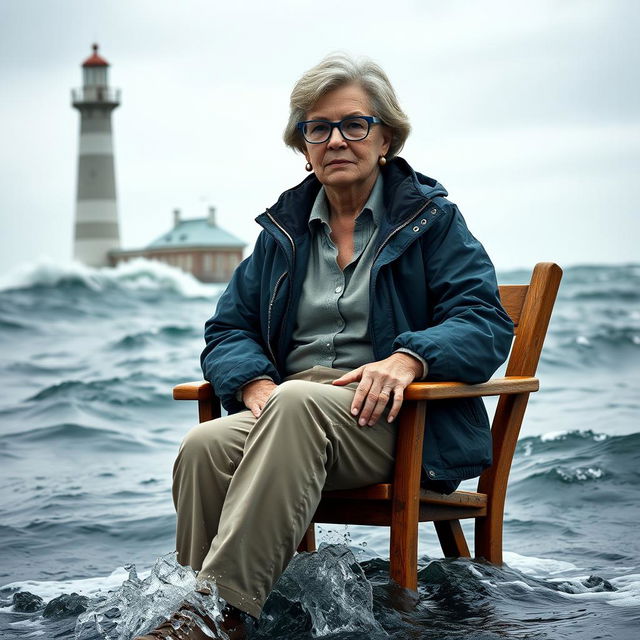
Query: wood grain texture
{"type": "Point", "coordinates": [208, 409]}
{"type": "Point", "coordinates": [405, 509]}
{"type": "Point", "coordinates": [371, 512]}
{"type": "Point", "coordinates": [436, 512]}
{"type": "Point", "coordinates": [534, 319]}
{"type": "Point", "coordinates": [452, 539]}
{"type": "Point", "coordinates": [465, 499]}
{"type": "Point", "coordinates": [512, 297]}
{"type": "Point", "coordinates": [200, 390]}
{"type": "Point", "coordinates": [378, 512]}
{"type": "Point", "coordinates": [385, 492]}
{"type": "Point", "coordinates": [372, 505]}
{"type": "Point", "coordinates": [523, 361]}
{"type": "Point", "coordinates": [308, 542]}
{"type": "Point", "coordinates": [493, 387]}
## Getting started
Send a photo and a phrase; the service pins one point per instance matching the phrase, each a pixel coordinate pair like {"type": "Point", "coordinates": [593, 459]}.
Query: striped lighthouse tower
{"type": "Point", "coordinates": [96, 221]}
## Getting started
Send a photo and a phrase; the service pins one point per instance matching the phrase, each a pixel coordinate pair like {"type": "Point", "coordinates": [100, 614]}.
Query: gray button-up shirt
{"type": "Point", "coordinates": [333, 314]}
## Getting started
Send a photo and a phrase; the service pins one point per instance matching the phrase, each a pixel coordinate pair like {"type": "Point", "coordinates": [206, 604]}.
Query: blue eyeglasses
{"type": "Point", "coordinates": [353, 128]}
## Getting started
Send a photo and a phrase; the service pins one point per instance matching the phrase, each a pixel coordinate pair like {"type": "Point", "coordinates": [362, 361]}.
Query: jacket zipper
{"type": "Point", "coordinates": [402, 226]}
{"type": "Point", "coordinates": [276, 288]}
{"type": "Point", "coordinates": [273, 298]}
{"type": "Point", "coordinates": [286, 233]}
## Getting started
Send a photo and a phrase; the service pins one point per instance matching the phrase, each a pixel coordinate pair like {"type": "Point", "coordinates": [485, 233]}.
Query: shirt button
{"type": "Point", "coordinates": [338, 289]}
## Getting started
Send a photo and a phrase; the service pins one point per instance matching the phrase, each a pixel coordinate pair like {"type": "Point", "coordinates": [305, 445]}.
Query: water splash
{"type": "Point", "coordinates": [324, 592]}
{"type": "Point", "coordinates": [140, 605]}
{"type": "Point", "coordinates": [330, 588]}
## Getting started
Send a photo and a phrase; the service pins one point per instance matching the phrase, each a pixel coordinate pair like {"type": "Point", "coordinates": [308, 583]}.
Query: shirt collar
{"type": "Point", "coordinates": [374, 206]}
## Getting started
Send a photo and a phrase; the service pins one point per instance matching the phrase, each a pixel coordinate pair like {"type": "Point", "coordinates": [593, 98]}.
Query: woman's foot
{"type": "Point", "coordinates": [187, 624]}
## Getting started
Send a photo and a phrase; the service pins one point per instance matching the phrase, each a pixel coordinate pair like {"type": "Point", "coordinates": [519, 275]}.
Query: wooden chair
{"type": "Point", "coordinates": [402, 504]}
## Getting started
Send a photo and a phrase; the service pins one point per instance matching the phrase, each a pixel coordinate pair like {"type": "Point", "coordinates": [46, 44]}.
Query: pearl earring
{"type": "Point", "coordinates": [308, 166]}
{"type": "Point", "coordinates": [382, 161]}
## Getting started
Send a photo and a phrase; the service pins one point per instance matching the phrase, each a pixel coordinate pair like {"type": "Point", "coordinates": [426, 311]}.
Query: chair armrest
{"type": "Point", "coordinates": [493, 387]}
{"type": "Point", "coordinates": [200, 390]}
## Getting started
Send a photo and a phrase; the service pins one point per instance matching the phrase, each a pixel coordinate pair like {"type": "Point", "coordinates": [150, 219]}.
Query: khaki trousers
{"type": "Point", "coordinates": [245, 489]}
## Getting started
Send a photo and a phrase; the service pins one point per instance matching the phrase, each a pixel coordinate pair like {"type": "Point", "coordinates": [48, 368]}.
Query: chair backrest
{"type": "Point", "coordinates": [530, 307]}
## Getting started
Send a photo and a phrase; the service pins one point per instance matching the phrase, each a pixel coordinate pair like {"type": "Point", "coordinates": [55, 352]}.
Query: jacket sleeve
{"type": "Point", "coordinates": [235, 351]}
{"type": "Point", "coordinates": [471, 333]}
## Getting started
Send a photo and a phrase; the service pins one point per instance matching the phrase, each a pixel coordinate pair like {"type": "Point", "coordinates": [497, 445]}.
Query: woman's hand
{"type": "Point", "coordinates": [256, 393]}
{"type": "Point", "coordinates": [379, 381]}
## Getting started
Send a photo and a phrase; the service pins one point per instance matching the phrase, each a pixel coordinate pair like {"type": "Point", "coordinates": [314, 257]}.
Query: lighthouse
{"type": "Point", "coordinates": [96, 215]}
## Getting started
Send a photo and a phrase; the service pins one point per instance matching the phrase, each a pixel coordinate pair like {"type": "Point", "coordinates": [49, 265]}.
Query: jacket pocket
{"type": "Point", "coordinates": [461, 432]}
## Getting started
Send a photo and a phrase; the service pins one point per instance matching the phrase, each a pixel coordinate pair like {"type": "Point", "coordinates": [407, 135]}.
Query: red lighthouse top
{"type": "Point", "coordinates": [94, 60]}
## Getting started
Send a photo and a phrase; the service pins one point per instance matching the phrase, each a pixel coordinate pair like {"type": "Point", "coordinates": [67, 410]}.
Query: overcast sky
{"type": "Point", "coordinates": [527, 112]}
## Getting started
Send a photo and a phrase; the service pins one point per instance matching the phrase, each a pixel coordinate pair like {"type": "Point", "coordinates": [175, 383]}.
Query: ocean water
{"type": "Point", "coordinates": [88, 435]}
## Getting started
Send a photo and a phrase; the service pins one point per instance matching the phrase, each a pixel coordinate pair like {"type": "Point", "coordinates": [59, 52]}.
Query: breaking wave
{"type": "Point", "coordinates": [135, 275]}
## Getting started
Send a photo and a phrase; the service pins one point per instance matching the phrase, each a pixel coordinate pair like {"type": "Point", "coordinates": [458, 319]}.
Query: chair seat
{"type": "Point", "coordinates": [384, 491]}
{"type": "Point", "coordinates": [373, 504]}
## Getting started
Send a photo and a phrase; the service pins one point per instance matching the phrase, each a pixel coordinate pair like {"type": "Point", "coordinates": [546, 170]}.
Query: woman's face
{"type": "Point", "coordinates": [341, 163]}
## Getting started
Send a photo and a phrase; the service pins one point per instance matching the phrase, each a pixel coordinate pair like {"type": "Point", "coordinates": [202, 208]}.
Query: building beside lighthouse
{"type": "Point", "coordinates": [197, 245]}
{"type": "Point", "coordinates": [96, 214]}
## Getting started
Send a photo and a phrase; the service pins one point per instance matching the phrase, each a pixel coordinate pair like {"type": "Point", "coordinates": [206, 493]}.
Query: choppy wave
{"type": "Point", "coordinates": [577, 458]}
{"type": "Point", "coordinates": [577, 474]}
{"type": "Point", "coordinates": [132, 390]}
{"type": "Point", "coordinates": [167, 334]}
{"type": "Point", "coordinates": [81, 435]}
{"type": "Point", "coordinates": [138, 274]}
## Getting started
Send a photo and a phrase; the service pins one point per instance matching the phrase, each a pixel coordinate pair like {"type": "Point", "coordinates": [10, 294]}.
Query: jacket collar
{"type": "Point", "coordinates": [405, 191]}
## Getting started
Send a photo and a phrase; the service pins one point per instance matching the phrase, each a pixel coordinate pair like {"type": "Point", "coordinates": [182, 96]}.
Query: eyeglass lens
{"type": "Point", "coordinates": [351, 129]}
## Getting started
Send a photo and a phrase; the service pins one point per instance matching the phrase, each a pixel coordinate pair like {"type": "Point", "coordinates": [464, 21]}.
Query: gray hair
{"type": "Point", "coordinates": [337, 70]}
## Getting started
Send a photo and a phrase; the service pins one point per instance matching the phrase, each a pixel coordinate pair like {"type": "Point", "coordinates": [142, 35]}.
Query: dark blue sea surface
{"type": "Point", "coordinates": [89, 432]}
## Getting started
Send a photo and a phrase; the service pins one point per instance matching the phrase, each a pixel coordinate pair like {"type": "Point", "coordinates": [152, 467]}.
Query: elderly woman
{"type": "Point", "coordinates": [364, 279]}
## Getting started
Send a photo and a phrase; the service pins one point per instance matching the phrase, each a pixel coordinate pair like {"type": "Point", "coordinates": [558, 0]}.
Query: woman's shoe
{"type": "Point", "coordinates": [187, 622]}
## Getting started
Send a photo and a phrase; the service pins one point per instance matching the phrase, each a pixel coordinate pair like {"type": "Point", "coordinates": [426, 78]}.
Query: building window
{"type": "Point", "coordinates": [207, 262]}
{"type": "Point", "coordinates": [219, 264]}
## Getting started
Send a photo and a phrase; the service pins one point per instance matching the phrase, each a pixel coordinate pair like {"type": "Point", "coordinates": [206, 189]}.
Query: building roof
{"type": "Point", "coordinates": [95, 60]}
{"type": "Point", "coordinates": [196, 233]}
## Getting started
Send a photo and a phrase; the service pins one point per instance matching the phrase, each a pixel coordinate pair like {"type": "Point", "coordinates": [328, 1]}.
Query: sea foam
{"type": "Point", "coordinates": [136, 274]}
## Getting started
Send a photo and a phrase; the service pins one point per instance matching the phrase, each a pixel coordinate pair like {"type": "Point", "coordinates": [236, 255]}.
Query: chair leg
{"type": "Point", "coordinates": [488, 538]}
{"type": "Point", "coordinates": [404, 554]}
{"type": "Point", "coordinates": [452, 539]}
{"type": "Point", "coordinates": [308, 542]}
{"type": "Point", "coordinates": [405, 504]}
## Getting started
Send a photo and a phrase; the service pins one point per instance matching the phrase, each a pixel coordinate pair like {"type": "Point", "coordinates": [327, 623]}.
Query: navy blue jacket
{"type": "Point", "coordinates": [432, 290]}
